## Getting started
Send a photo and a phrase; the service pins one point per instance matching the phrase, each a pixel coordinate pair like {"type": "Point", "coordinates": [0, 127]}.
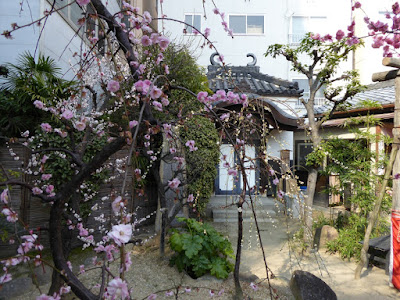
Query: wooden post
{"type": "Point", "coordinates": [395, 160]}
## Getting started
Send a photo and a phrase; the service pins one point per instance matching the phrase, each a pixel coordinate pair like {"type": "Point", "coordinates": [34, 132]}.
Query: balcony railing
{"type": "Point", "coordinates": [295, 38]}
{"type": "Point", "coordinates": [320, 101]}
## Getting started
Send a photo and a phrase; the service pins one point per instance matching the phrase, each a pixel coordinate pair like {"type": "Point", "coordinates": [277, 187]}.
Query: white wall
{"type": "Point", "coordinates": [280, 140]}
{"type": "Point", "coordinates": [277, 19]}
{"type": "Point", "coordinates": [58, 39]}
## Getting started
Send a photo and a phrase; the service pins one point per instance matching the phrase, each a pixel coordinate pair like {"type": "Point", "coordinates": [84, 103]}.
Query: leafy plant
{"type": "Point", "coordinates": [27, 81]}
{"type": "Point", "coordinates": [201, 163]}
{"type": "Point", "coordinates": [355, 164]}
{"type": "Point", "coordinates": [201, 249]}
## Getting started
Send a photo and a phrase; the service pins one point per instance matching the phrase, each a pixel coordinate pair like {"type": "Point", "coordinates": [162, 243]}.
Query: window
{"type": "Point", "coordinates": [72, 13]}
{"type": "Point", "coordinates": [301, 25]}
{"type": "Point", "coordinates": [243, 24]}
{"type": "Point", "coordinates": [193, 20]}
{"type": "Point", "coordinates": [303, 85]}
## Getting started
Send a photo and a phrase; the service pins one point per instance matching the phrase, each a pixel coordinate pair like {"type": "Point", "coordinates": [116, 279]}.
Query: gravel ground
{"type": "Point", "coordinates": [151, 274]}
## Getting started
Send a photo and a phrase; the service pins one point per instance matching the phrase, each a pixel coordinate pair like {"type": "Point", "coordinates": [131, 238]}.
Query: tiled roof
{"type": "Point", "coordinates": [248, 79]}
{"type": "Point", "coordinates": [382, 92]}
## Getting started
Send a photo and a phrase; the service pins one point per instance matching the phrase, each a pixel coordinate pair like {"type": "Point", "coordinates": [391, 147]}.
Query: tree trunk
{"type": "Point", "coordinates": [308, 203]}
{"type": "Point", "coordinates": [375, 214]}
{"type": "Point", "coordinates": [56, 279]}
{"type": "Point", "coordinates": [238, 288]}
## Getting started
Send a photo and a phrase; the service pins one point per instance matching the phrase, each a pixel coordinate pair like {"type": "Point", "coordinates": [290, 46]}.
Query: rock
{"type": "Point", "coordinates": [306, 286]}
{"type": "Point", "coordinates": [328, 233]}
{"type": "Point", "coordinates": [248, 277]}
{"type": "Point", "coordinates": [15, 288]}
{"type": "Point", "coordinates": [43, 274]}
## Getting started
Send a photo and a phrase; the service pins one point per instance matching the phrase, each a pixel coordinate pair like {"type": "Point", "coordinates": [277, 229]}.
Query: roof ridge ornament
{"type": "Point", "coordinates": [212, 61]}
{"type": "Point", "coordinates": [252, 63]}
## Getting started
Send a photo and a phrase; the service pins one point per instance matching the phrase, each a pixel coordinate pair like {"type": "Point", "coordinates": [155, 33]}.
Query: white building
{"type": "Point", "coordinates": [60, 37]}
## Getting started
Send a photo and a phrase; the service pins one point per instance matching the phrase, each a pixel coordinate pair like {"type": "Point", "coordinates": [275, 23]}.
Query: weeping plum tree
{"type": "Point", "coordinates": [319, 59]}
{"type": "Point", "coordinates": [76, 144]}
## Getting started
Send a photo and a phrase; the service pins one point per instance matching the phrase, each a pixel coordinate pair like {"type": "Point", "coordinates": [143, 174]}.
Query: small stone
{"type": "Point", "coordinates": [306, 286]}
{"type": "Point", "coordinates": [328, 233]}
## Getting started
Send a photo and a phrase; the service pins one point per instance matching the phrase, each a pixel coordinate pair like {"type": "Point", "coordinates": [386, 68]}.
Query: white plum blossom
{"type": "Point", "coordinates": [121, 234]}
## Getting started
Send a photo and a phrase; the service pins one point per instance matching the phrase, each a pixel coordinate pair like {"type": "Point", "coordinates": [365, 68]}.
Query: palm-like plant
{"type": "Point", "coordinates": [26, 82]}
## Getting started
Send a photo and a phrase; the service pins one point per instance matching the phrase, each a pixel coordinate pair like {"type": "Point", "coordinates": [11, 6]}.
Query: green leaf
{"type": "Point", "coordinates": [219, 268]}
{"type": "Point", "coordinates": [192, 245]}
{"type": "Point", "coordinates": [176, 242]}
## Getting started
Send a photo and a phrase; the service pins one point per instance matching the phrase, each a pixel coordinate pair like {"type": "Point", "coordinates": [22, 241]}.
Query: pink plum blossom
{"type": "Point", "coordinates": [4, 196]}
{"type": "Point", "coordinates": [46, 176]}
{"type": "Point", "coordinates": [190, 198]}
{"type": "Point", "coordinates": [133, 123]}
{"type": "Point", "coordinates": [121, 234]}
{"type": "Point", "coordinates": [275, 181]}
{"type": "Point", "coordinates": [82, 2]}
{"type": "Point", "coordinates": [38, 104]}
{"type": "Point", "coordinates": [146, 41]}
{"type": "Point", "coordinates": [113, 86]}
{"type": "Point", "coordinates": [152, 297]}
{"type": "Point", "coordinates": [147, 17]}
{"type": "Point", "coordinates": [50, 189]}
{"type": "Point", "coordinates": [67, 114]}
{"type": "Point", "coordinates": [202, 96]}
{"type": "Point", "coordinates": [44, 159]}
{"type": "Point", "coordinates": [46, 127]}
{"type": "Point", "coordinates": [155, 93]}
{"type": "Point", "coordinates": [79, 125]}
{"type": "Point", "coordinates": [191, 146]}
{"type": "Point", "coordinates": [10, 214]}
{"type": "Point", "coordinates": [174, 183]}
{"type": "Point", "coordinates": [232, 172]}
{"type": "Point", "coordinates": [165, 101]}
{"type": "Point", "coordinates": [339, 35]}
{"type": "Point", "coordinates": [5, 278]}
{"type": "Point", "coordinates": [163, 42]}
{"type": "Point", "coordinates": [169, 293]}
{"type": "Point", "coordinates": [253, 286]}
{"type": "Point", "coordinates": [207, 32]}
{"type": "Point", "coordinates": [117, 289]}
{"type": "Point", "coordinates": [117, 205]}
{"type": "Point", "coordinates": [37, 191]}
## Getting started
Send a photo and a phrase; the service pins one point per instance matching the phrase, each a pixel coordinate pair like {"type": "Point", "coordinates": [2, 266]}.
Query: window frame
{"type": "Point", "coordinates": [247, 25]}
{"type": "Point", "coordinates": [307, 25]}
{"type": "Point", "coordinates": [81, 31]}
{"type": "Point", "coordinates": [186, 32]}
{"type": "Point", "coordinates": [319, 100]}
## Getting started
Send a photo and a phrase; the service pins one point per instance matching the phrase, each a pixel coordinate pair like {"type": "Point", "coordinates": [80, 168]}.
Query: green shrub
{"type": "Point", "coordinates": [200, 249]}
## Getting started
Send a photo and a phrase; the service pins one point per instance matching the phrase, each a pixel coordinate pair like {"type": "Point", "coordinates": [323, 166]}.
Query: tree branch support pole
{"type": "Point", "coordinates": [394, 162]}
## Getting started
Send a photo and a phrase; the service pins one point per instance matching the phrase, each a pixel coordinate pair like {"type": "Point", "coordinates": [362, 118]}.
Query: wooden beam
{"type": "Point", "coordinates": [391, 62]}
{"type": "Point", "coordinates": [387, 75]}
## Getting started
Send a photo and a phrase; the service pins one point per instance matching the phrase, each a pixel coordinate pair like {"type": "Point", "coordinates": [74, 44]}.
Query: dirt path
{"type": "Point", "coordinates": [338, 274]}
